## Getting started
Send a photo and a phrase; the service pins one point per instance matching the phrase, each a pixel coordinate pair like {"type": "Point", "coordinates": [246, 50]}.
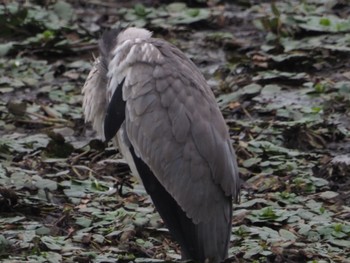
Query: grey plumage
{"type": "Point", "coordinates": [173, 136]}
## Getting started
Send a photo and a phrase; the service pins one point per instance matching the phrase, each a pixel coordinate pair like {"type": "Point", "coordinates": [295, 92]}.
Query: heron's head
{"type": "Point", "coordinates": [133, 33]}
{"type": "Point", "coordinates": [95, 89]}
{"type": "Point", "coordinates": [111, 39]}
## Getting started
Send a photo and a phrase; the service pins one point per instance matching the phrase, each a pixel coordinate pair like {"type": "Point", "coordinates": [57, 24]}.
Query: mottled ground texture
{"type": "Point", "coordinates": [281, 74]}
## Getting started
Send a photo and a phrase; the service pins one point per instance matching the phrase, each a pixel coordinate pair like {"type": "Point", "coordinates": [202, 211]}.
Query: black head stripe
{"type": "Point", "coordinates": [107, 42]}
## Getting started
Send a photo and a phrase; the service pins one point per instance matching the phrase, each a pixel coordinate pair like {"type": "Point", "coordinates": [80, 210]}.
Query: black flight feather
{"type": "Point", "coordinates": [115, 114]}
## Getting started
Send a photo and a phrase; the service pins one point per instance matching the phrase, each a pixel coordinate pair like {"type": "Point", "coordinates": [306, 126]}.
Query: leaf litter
{"type": "Point", "coordinates": [280, 72]}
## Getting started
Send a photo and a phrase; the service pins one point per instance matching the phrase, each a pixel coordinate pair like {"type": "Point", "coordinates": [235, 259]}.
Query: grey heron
{"type": "Point", "coordinates": [152, 101]}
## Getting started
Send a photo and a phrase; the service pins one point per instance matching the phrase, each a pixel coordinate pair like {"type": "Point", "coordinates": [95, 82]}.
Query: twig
{"type": "Point", "coordinates": [75, 159]}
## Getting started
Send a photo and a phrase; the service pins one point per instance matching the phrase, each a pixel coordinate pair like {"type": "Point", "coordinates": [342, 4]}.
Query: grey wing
{"type": "Point", "coordinates": [176, 128]}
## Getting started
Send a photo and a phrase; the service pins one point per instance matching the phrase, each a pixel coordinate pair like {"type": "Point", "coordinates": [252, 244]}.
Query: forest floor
{"type": "Point", "coordinates": [281, 74]}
